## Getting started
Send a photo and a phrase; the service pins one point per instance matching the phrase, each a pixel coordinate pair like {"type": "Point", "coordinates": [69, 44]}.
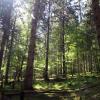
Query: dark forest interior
{"type": "Point", "coordinates": [49, 49]}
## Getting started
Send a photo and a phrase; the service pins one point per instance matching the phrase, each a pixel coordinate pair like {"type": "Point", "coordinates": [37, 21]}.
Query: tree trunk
{"type": "Point", "coordinates": [28, 81]}
{"type": "Point", "coordinates": [63, 48]}
{"type": "Point", "coordinates": [80, 11]}
{"type": "Point", "coordinates": [47, 48]}
{"type": "Point", "coordinates": [6, 16]}
{"type": "Point", "coordinates": [9, 54]}
{"type": "Point", "coordinates": [96, 15]}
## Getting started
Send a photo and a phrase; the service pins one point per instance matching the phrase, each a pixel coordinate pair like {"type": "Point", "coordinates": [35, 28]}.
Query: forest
{"type": "Point", "coordinates": [49, 49]}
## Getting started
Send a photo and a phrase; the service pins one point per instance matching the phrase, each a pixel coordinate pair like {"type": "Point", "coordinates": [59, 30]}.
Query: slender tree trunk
{"type": "Point", "coordinates": [90, 61]}
{"type": "Point", "coordinates": [78, 63]}
{"type": "Point", "coordinates": [21, 69]}
{"type": "Point", "coordinates": [63, 48]}
{"type": "Point", "coordinates": [47, 47]}
{"type": "Point", "coordinates": [80, 11]}
{"type": "Point", "coordinates": [84, 63]}
{"type": "Point", "coordinates": [62, 43]}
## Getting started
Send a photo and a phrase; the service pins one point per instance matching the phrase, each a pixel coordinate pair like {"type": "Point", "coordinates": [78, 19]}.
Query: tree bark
{"type": "Point", "coordinates": [96, 15]}
{"type": "Point", "coordinates": [47, 47]}
{"type": "Point", "coordinates": [63, 48]}
{"type": "Point", "coordinates": [9, 54]}
{"type": "Point", "coordinates": [7, 9]}
{"type": "Point", "coordinates": [28, 81]}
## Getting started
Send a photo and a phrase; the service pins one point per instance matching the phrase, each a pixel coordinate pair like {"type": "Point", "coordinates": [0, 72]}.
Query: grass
{"type": "Point", "coordinates": [70, 85]}
{"type": "Point", "coordinates": [73, 83]}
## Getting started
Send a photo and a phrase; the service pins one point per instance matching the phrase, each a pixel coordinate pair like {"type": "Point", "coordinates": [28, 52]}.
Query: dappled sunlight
{"type": "Point", "coordinates": [49, 50]}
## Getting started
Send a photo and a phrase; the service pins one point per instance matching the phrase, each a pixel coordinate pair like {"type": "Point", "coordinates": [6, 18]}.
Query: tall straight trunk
{"type": "Point", "coordinates": [78, 63]}
{"type": "Point", "coordinates": [90, 61]}
{"type": "Point", "coordinates": [62, 42]}
{"type": "Point", "coordinates": [47, 47]}
{"type": "Point", "coordinates": [63, 48]}
{"type": "Point", "coordinates": [9, 54]}
{"type": "Point", "coordinates": [96, 15]}
{"type": "Point", "coordinates": [21, 69]}
{"type": "Point", "coordinates": [6, 16]}
{"type": "Point", "coordinates": [96, 61]}
{"type": "Point", "coordinates": [84, 63]}
{"type": "Point", "coordinates": [28, 80]}
{"type": "Point", "coordinates": [80, 11]}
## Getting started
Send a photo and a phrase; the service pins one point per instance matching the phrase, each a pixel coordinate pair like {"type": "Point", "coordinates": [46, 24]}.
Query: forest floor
{"type": "Point", "coordinates": [82, 88]}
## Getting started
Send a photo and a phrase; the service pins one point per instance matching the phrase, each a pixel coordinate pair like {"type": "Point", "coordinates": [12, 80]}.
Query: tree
{"type": "Point", "coordinates": [28, 81]}
{"type": "Point", "coordinates": [6, 16]}
{"type": "Point", "coordinates": [96, 16]}
{"type": "Point", "coordinates": [47, 46]}
{"type": "Point", "coordinates": [10, 52]}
